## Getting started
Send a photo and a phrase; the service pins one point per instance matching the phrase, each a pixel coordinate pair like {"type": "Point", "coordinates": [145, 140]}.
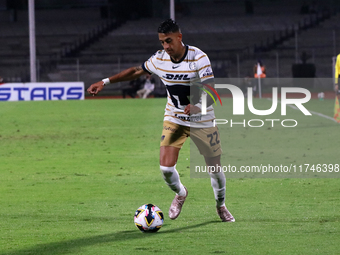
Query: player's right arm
{"type": "Point", "coordinates": [129, 74]}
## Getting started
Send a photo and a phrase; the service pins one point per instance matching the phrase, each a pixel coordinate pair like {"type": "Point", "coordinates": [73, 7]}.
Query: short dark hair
{"type": "Point", "coordinates": [168, 26]}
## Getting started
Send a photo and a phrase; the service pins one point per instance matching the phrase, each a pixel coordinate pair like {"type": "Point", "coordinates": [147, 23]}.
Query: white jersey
{"type": "Point", "coordinates": [178, 77]}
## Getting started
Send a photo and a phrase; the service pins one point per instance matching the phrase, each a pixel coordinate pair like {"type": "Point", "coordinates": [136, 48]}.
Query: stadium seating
{"type": "Point", "coordinates": [233, 40]}
{"type": "Point", "coordinates": [222, 38]}
{"type": "Point", "coordinates": [319, 43]}
{"type": "Point", "coordinates": [55, 31]}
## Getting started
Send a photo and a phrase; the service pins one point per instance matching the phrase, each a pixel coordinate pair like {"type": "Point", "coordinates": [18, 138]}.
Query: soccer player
{"type": "Point", "coordinates": [337, 74]}
{"type": "Point", "coordinates": [178, 65]}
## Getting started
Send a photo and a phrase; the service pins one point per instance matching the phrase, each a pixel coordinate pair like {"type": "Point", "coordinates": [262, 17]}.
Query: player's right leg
{"type": "Point", "coordinates": [173, 137]}
{"type": "Point", "coordinates": [168, 159]}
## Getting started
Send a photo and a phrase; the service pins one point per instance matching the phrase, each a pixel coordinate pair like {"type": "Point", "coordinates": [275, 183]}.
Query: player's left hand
{"type": "Point", "coordinates": [191, 109]}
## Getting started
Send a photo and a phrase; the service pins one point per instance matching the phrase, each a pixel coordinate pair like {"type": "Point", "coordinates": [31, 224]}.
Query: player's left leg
{"type": "Point", "coordinates": [208, 143]}
{"type": "Point", "coordinates": [218, 183]}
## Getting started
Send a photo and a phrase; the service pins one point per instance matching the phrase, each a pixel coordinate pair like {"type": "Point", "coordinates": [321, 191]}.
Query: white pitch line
{"type": "Point", "coordinates": [316, 113]}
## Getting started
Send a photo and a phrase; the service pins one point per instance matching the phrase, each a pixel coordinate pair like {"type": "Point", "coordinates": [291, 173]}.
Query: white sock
{"type": "Point", "coordinates": [171, 177]}
{"type": "Point", "coordinates": [218, 185]}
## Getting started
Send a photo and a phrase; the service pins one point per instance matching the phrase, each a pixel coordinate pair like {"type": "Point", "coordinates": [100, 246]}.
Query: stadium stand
{"type": "Point", "coordinates": [319, 43]}
{"type": "Point", "coordinates": [82, 45]}
{"type": "Point", "coordinates": [55, 37]}
{"type": "Point", "coordinates": [222, 39]}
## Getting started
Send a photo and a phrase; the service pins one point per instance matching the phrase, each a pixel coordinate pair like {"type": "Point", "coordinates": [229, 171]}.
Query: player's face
{"type": "Point", "coordinates": [172, 43]}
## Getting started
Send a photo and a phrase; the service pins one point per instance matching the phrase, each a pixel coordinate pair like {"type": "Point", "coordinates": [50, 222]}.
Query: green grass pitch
{"type": "Point", "coordinates": [73, 173]}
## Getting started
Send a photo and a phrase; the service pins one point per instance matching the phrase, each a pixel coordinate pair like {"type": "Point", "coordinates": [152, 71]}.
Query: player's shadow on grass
{"type": "Point", "coordinates": [74, 245]}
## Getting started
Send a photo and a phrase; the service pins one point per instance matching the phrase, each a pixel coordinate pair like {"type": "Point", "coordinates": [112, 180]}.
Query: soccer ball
{"type": "Point", "coordinates": [149, 218]}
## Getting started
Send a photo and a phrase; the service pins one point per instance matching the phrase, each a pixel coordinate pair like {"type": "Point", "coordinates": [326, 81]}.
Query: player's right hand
{"type": "Point", "coordinates": [191, 109]}
{"type": "Point", "coordinates": [95, 88]}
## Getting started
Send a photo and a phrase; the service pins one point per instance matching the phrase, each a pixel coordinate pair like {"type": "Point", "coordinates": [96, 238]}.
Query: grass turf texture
{"type": "Point", "coordinates": [74, 172]}
{"type": "Point", "coordinates": [309, 145]}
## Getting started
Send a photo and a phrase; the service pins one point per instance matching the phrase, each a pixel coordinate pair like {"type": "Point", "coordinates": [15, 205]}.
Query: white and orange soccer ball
{"type": "Point", "coordinates": [149, 218]}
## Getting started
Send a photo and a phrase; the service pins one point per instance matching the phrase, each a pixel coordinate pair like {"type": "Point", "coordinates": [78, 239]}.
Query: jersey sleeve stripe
{"type": "Point", "coordinates": [207, 77]}
{"type": "Point", "coordinates": [204, 56]}
{"type": "Point", "coordinates": [204, 67]}
{"type": "Point", "coordinates": [153, 64]}
{"type": "Point", "coordinates": [144, 66]}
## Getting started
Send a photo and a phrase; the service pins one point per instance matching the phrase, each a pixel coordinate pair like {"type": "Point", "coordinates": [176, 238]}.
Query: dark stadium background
{"type": "Point", "coordinates": [92, 39]}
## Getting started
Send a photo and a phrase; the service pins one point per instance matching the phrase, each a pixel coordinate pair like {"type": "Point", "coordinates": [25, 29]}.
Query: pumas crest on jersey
{"type": "Point", "coordinates": [192, 66]}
